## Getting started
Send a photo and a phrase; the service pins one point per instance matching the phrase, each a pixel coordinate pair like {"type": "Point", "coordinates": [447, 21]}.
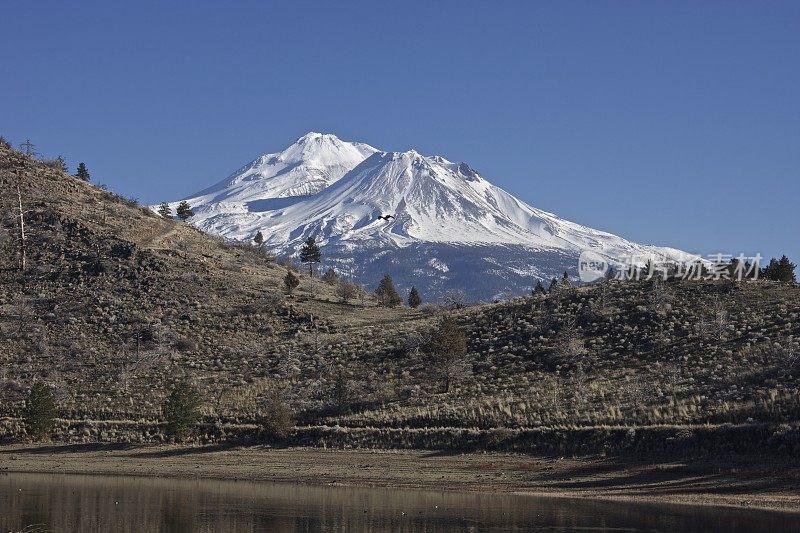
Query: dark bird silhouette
{"type": "Point", "coordinates": [386, 217]}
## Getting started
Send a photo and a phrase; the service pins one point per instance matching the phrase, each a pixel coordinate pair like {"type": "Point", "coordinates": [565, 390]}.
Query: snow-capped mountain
{"type": "Point", "coordinates": [306, 167]}
{"type": "Point", "coordinates": [450, 228]}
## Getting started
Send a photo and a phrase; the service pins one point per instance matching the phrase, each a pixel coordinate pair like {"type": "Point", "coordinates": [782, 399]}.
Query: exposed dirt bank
{"type": "Point", "coordinates": [735, 481]}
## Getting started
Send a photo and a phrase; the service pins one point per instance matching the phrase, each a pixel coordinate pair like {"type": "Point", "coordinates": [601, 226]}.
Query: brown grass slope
{"type": "Point", "coordinates": [118, 302]}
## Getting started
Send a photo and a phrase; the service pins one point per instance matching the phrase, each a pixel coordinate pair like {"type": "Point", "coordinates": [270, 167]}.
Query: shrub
{"type": "Point", "coordinates": [330, 277]}
{"type": "Point", "coordinates": [346, 291]}
{"type": "Point", "coordinates": [181, 409]}
{"type": "Point", "coordinates": [40, 411]}
{"type": "Point", "coordinates": [276, 418]}
{"type": "Point", "coordinates": [290, 282]}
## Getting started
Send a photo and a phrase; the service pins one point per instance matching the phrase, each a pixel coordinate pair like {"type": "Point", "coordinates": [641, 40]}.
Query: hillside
{"type": "Point", "coordinates": [117, 302]}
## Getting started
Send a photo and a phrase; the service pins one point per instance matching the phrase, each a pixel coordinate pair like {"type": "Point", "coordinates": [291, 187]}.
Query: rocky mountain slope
{"type": "Point", "coordinates": [450, 228]}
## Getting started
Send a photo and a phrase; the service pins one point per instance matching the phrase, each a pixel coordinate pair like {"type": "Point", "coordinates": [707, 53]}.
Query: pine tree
{"type": "Point", "coordinates": [40, 411]}
{"type": "Point", "coordinates": [386, 293]}
{"type": "Point", "coordinates": [539, 288]}
{"type": "Point", "coordinates": [290, 282]}
{"type": "Point", "coordinates": [61, 162]}
{"type": "Point", "coordinates": [553, 285]}
{"type": "Point", "coordinates": [565, 280]}
{"type": "Point", "coordinates": [414, 299]}
{"type": "Point", "coordinates": [83, 172]}
{"type": "Point", "coordinates": [184, 211]}
{"type": "Point", "coordinates": [181, 409]}
{"type": "Point", "coordinates": [447, 350]}
{"type": "Point", "coordinates": [780, 270]}
{"type": "Point", "coordinates": [258, 238]}
{"type": "Point", "coordinates": [330, 277]}
{"type": "Point", "coordinates": [165, 210]}
{"type": "Point", "coordinates": [310, 254]}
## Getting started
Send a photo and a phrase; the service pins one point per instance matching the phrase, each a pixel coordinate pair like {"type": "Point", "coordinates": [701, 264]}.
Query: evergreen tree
{"type": "Point", "coordinates": [165, 210]}
{"type": "Point", "coordinates": [414, 299]}
{"type": "Point", "coordinates": [539, 288]}
{"type": "Point", "coordinates": [565, 280]}
{"type": "Point", "coordinates": [83, 172]}
{"type": "Point", "coordinates": [386, 293]}
{"type": "Point", "coordinates": [40, 411]}
{"type": "Point", "coordinates": [330, 277]}
{"type": "Point", "coordinates": [310, 254]}
{"type": "Point", "coordinates": [447, 350]}
{"type": "Point", "coordinates": [553, 285]}
{"type": "Point", "coordinates": [780, 270]}
{"type": "Point", "coordinates": [181, 409]}
{"type": "Point", "coordinates": [184, 211]}
{"type": "Point", "coordinates": [61, 162]}
{"type": "Point", "coordinates": [258, 238]}
{"type": "Point", "coordinates": [290, 282]}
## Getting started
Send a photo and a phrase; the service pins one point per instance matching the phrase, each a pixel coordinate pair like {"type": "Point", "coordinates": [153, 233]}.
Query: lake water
{"type": "Point", "coordinates": [40, 502]}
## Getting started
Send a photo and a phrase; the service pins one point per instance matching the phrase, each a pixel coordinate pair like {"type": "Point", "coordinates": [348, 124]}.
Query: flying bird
{"type": "Point", "coordinates": [386, 217]}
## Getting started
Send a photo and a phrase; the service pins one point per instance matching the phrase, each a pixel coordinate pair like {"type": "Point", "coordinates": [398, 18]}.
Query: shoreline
{"type": "Point", "coordinates": [744, 482]}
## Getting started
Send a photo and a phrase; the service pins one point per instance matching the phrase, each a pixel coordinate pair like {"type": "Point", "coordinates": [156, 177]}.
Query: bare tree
{"type": "Point", "coordinates": [454, 300]}
{"type": "Point", "coordinates": [22, 262]}
{"type": "Point", "coordinates": [635, 392]}
{"type": "Point", "coordinates": [134, 364]}
{"type": "Point", "coordinates": [672, 376]}
{"type": "Point", "coordinates": [579, 381]}
{"type": "Point", "coordinates": [15, 181]}
{"type": "Point", "coordinates": [570, 346]}
{"type": "Point", "coordinates": [346, 291]}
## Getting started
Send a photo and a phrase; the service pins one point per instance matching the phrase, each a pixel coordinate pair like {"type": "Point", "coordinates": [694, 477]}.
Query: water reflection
{"type": "Point", "coordinates": [93, 503]}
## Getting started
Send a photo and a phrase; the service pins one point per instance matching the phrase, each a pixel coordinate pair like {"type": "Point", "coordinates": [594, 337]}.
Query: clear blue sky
{"type": "Point", "coordinates": [676, 123]}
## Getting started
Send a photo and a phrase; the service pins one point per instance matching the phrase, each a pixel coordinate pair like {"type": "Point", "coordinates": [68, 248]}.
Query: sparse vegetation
{"type": "Point", "coordinates": [578, 365]}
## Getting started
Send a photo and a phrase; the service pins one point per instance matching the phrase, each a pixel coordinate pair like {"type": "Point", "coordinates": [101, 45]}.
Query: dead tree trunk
{"type": "Point", "coordinates": [22, 263]}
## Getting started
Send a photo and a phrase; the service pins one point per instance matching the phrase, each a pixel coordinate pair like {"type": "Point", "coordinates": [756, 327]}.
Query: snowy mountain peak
{"type": "Point", "coordinates": [339, 192]}
{"type": "Point", "coordinates": [313, 162]}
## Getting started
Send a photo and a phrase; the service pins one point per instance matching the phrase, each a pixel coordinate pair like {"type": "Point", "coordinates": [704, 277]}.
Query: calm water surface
{"type": "Point", "coordinates": [42, 502]}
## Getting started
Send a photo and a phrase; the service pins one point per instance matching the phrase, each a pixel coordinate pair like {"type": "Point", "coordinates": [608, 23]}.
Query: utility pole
{"type": "Point", "coordinates": [28, 147]}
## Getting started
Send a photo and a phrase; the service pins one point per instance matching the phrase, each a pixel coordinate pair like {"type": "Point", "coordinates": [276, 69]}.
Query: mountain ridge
{"type": "Point", "coordinates": [434, 202]}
